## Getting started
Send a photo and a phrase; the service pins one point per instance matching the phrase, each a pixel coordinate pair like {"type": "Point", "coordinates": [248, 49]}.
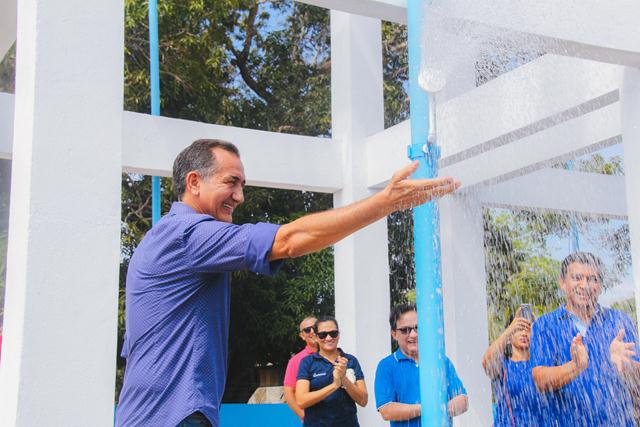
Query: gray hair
{"type": "Point", "coordinates": [199, 157]}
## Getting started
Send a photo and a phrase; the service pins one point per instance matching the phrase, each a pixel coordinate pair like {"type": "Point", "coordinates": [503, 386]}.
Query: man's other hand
{"type": "Point", "coordinates": [621, 352]}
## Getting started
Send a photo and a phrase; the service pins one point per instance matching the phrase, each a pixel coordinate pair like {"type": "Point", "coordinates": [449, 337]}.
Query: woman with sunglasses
{"type": "Point", "coordinates": [507, 363]}
{"type": "Point", "coordinates": [330, 382]}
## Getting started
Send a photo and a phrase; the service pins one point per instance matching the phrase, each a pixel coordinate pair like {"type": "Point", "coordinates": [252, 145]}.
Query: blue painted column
{"type": "Point", "coordinates": [155, 97]}
{"type": "Point", "coordinates": [426, 239]}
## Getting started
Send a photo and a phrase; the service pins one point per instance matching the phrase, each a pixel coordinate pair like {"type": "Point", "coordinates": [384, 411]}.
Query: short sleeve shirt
{"type": "Point", "coordinates": [597, 397]}
{"type": "Point", "coordinates": [337, 409]}
{"type": "Point", "coordinates": [177, 317]}
{"type": "Point", "coordinates": [291, 374]}
{"type": "Point", "coordinates": [398, 380]}
{"type": "Point", "coordinates": [517, 399]}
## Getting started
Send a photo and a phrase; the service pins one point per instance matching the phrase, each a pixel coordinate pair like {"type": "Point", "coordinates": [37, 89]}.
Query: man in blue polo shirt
{"type": "Point", "coordinates": [397, 384]}
{"type": "Point", "coordinates": [177, 291]}
{"type": "Point", "coordinates": [575, 350]}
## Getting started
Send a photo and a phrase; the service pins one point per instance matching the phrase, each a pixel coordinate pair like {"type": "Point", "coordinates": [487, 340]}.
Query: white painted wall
{"type": "Point", "coordinates": [630, 102]}
{"type": "Point", "coordinates": [465, 302]}
{"type": "Point", "coordinates": [361, 261]}
{"type": "Point", "coordinates": [59, 349]}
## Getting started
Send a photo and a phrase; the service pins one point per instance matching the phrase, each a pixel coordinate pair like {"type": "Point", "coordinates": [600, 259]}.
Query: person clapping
{"type": "Point", "coordinates": [330, 381]}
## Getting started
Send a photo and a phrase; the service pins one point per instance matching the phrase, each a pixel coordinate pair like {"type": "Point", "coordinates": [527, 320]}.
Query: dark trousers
{"type": "Point", "coordinates": [195, 420]}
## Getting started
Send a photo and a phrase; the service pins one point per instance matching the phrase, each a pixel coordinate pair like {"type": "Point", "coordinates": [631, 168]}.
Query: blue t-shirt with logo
{"type": "Point", "coordinates": [398, 380]}
{"type": "Point", "coordinates": [337, 409]}
{"type": "Point", "coordinates": [597, 397]}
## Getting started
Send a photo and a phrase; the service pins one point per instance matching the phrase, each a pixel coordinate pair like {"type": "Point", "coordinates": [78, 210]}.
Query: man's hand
{"type": "Point", "coordinates": [405, 193]}
{"type": "Point", "coordinates": [579, 354]}
{"type": "Point", "coordinates": [621, 352]}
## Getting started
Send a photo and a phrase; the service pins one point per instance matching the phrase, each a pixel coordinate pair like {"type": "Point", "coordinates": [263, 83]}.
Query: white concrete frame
{"type": "Point", "coordinates": [58, 361]}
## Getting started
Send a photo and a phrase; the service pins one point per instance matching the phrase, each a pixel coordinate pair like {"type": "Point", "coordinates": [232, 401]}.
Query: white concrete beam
{"type": "Point", "coordinates": [584, 134]}
{"type": "Point", "coordinates": [8, 22]}
{"type": "Point", "coordinates": [361, 260]}
{"type": "Point", "coordinates": [278, 160]}
{"type": "Point", "coordinates": [386, 152]}
{"type": "Point", "coordinates": [539, 95]}
{"type": "Point", "coordinates": [387, 10]}
{"type": "Point", "coordinates": [560, 190]}
{"type": "Point", "coordinates": [590, 29]}
{"type": "Point", "coordinates": [547, 91]}
{"type": "Point", "coordinates": [60, 327]}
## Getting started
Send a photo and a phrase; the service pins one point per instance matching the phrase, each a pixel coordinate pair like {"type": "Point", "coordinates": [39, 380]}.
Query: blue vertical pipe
{"type": "Point", "coordinates": [426, 240]}
{"type": "Point", "coordinates": [154, 72]}
{"type": "Point", "coordinates": [574, 237]}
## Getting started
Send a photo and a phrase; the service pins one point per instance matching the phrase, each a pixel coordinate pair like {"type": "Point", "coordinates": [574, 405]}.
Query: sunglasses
{"type": "Point", "coordinates": [307, 330]}
{"type": "Point", "coordinates": [407, 330]}
{"type": "Point", "coordinates": [333, 334]}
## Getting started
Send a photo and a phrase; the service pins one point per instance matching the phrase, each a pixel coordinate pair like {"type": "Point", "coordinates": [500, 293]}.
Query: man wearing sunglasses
{"type": "Point", "coordinates": [397, 384]}
{"type": "Point", "coordinates": [308, 336]}
{"type": "Point", "coordinates": [178, 281]}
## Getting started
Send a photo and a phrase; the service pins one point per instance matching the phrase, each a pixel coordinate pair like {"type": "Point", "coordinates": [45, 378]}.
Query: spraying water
{"type": "Point", "coordinates": [524, 246]}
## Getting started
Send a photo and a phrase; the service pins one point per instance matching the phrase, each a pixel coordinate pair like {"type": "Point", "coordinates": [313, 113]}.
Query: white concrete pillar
{"type": "Point", "coordinates": [59, 349]}
{"type": "Point", "coordinates": [465, 301]}
{"type": "Point", "coordinates": [630, 108]}
{"type": "Point", "coordinates": [361, 261]}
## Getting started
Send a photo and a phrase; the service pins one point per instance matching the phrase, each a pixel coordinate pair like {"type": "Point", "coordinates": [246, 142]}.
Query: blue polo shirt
{"type": "Point", "coordinates": [337, 409]}
{"type": "Point", "coordinates": [597, 397]}
{"type": "Point", "coordinates": [398, 380]}
{"type": "Point", "coordinates": [517, 399]}
{"type": "Point", "coordinates": [177, 317]}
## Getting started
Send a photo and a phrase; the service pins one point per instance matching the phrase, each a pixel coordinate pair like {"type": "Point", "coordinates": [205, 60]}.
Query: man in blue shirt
{"type": "Point", "coordinates": [578, 354]}
{"type": "Point", "coordinates": [177, 291]}
{"type": "Point", "coordinates": [397, 384]}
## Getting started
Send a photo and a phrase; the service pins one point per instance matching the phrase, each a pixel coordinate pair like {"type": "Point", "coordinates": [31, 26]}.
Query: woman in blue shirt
{"type": "Point", "coordinates": [330, 382]}
{"type": "Point", "coordinates": [506, 362]}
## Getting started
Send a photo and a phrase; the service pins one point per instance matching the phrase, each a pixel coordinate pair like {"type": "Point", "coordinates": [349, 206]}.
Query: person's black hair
{"type": "Point", "coordinates": [199, 157]}
{"type": "Point", "coordinates": [508, 349]}
{"type": "Point", "coordinates": [323, 319]}
{"type": "Point", "coordinates": [398, 311]}
{"type": "Point", "coordinates": [585, 258]}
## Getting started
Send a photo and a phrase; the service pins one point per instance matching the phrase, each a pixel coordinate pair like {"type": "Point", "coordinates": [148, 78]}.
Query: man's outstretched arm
{"type": "Point", "coordinates": [317, 231]}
